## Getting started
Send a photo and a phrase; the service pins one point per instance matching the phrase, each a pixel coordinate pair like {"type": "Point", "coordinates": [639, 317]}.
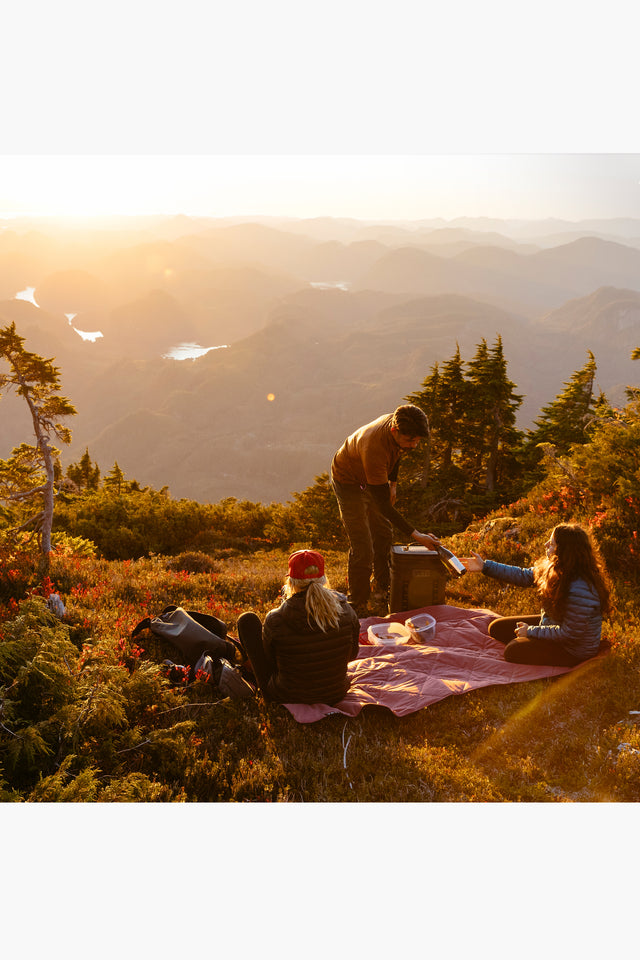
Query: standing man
{"type": "Point", "coordinates": [364, 472]}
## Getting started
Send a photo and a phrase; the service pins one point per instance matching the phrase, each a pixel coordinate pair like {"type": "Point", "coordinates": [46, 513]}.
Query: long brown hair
{"type": "Point", "coordinates": [576, 555]}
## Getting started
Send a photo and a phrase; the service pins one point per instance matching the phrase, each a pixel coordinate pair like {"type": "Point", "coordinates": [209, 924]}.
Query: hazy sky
{"type": "Point", "coordinates": [571, 187]}
{"type": "Point", "coordinates": [414, 109]}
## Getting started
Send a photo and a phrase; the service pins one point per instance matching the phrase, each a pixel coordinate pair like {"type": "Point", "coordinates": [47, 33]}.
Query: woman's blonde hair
{"type": "Point", "coordinates": [321, 602]}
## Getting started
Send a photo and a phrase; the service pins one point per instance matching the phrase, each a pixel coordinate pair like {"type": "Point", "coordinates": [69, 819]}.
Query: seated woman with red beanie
{"type": "Point", "coordinates": [301, 653]}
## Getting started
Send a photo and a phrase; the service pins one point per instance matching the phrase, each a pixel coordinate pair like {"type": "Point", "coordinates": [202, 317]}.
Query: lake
{"type": "Point", "coordinates": [183, 351]}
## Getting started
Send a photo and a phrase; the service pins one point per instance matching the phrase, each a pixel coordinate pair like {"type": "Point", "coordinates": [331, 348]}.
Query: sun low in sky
{"type": "Point", "coordinates": [367, 187]}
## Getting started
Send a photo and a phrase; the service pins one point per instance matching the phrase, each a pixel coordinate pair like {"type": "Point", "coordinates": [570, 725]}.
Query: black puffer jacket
{"type": "Point", "coordinates": [309, 666]}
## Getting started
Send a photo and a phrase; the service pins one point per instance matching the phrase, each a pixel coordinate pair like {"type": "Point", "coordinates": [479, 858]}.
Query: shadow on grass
{"type": "Point", "coordinates": [370, 758]}
{"type": "Point", "coordinates": [542, 741]}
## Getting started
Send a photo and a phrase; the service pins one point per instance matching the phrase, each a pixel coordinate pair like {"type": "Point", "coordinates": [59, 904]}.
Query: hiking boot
{"type": "Point", "coordinates": [378, 591]}
{"type": "Point", "coordinates": [378, 609]}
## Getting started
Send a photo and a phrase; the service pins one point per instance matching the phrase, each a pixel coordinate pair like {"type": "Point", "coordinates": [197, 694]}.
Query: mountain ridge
{"type": "Point", "coordinates": [329, 358]}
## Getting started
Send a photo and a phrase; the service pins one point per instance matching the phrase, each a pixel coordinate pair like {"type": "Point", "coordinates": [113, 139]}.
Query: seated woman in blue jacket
{"type": "Point", "coordinates": [301, 653]}
{"type": "Point", "coordinates": [573, 587]}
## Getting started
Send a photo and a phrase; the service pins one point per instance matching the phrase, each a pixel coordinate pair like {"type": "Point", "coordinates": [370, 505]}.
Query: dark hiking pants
{"type": "Point", "coordinates": [370, 539]}
{"type": "Point", "coordinates": [249, 629]}
{"type": "Point", "coordinates": [535, 650]}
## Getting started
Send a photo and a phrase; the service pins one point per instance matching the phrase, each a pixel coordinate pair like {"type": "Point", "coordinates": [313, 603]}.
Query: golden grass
{"type": "Point", "coordinates": [573, 738]}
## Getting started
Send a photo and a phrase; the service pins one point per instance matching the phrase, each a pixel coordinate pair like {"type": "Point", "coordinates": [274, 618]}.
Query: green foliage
{"type": "Point", "coordinates": [316, 515]}
{"type": "Point", "coordinates": [444, 397]}
{"type": "Point", "coordinates": [23, 471]}
{"type": "Point", "coordinates": [91, 724]}
{"type": "Point", "coordinates": [35, 379]}
{"type": "Point", "coordinates": [115, 480]}
{"type": "Point", "coordinates": [136, 523]}
{"type": "Point", "coordinates": [491, 414]}
{"type": "Point", "coordinates": [565, 421]}
{"type": "Point", "coordinates": [133, 523]}
{"type": "Point", "coordinates": [193, 561]}
{"type": "Point", "coordinates": [65, 545]}
{"type": "Point", "coordinates": [18, 567]}
{"type": "Point", "coordinates": [63, 787]}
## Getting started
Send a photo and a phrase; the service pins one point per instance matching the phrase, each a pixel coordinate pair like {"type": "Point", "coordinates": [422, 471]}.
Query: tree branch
{"type": "Point", "coordinates": [435, 508]}
{"type": "Point", "coordinates": [27, 523]}
{"type": "Point", "coordinates": [24, 494]}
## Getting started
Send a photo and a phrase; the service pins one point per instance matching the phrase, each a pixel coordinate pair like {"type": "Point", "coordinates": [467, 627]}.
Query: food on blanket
{"type": "Point", "coordinates": [422, 627]}
{"type": "Point", "coordinates": [390, 633]}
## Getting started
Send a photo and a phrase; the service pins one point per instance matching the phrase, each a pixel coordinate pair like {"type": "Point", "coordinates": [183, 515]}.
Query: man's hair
{"type": "Point", "coordinates": [411, 421]}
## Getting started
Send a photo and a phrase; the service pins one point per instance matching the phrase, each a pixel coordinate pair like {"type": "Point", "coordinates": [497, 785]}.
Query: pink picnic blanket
{"type": "Point", "coordinates": [407, 677]}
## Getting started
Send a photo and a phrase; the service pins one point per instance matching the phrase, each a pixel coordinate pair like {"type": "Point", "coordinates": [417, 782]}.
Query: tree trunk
{"type": "Point", "coordinates": [42, 442]}
{"type": "Point", "coordinates": [47, 511]}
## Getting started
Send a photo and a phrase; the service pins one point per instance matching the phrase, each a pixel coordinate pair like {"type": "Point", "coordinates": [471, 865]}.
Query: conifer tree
{"type": "Point", "coordinates": [428, 400]}
{"type": "Point", "coordinates": [114, 480]}
{"type": "Point", "coordinates": [490, 413]}
{"type": "Point", "coordinates": [563, 421]}
{"type": "Point", "coordinates": [502, 434]}
{"type": "Point", "coordinates": [30, 472]}
{"type": "Point", "coordinates": [472, 418]}
{"type": "Point", "coordinates": [476, 413]}
{"type": "Point", "coordinates": [443, 398]}
{"type": "Point", "coordinates": [454, 391]}
{"type": "Point", "coordinates": [633, 393]}
{"type": "Point", "coordinates": [85, 474]}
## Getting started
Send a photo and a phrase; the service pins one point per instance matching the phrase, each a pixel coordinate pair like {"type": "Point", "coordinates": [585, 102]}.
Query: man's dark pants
{"type": "Point", "coordinates": [370, 539]}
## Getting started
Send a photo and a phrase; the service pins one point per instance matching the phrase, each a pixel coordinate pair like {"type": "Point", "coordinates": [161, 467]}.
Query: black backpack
{"type": "Point", "coordinates": [205, 647]}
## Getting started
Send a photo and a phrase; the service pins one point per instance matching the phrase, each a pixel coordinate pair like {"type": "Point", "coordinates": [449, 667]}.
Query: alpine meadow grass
{"type": "Point", "coordinates": [88, 715]}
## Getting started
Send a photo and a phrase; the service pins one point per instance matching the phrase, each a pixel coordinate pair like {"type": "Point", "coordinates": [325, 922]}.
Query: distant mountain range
{"type": "Point", "coordinates": [332, 357]}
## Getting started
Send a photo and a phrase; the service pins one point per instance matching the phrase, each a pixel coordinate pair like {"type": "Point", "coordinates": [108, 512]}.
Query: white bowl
{"type": "Point", "coordinates": [389, 633]}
